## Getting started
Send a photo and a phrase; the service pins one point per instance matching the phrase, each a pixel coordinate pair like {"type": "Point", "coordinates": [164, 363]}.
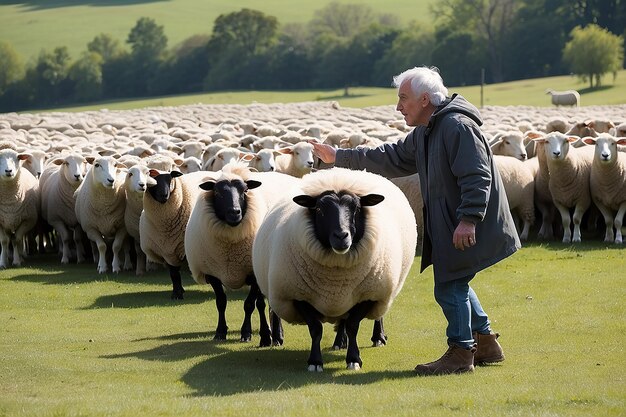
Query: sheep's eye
{"type": "Point", "coordinates": [130, 174]}
{"type": "Point", "coordinates": [97, 165]}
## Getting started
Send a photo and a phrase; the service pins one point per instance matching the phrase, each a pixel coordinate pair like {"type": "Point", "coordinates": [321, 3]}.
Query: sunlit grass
{"type": "Point", "coordinates": [73, 342]}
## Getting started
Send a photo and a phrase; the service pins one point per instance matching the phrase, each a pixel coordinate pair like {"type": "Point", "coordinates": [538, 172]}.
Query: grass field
{"type": "Point", "coordinates": [32, 25]}
{"type": "Point", "coordinates": [531, 92]}
{"type": "Point", "coordinates": [73, 342]}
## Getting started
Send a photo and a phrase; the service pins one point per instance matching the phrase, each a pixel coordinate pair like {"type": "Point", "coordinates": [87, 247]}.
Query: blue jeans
{"type": "Point", "coordinates": [463, 311]}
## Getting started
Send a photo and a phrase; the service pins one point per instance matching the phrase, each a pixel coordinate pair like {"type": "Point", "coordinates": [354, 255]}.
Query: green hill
{"type": "Point", "coordinates": [32, 25]}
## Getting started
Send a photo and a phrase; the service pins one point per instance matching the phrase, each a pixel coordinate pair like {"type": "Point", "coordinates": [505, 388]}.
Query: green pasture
{"type": "Point", "coordinates": [32, 25]}
{"type": "Point", "coordinates": [531, 92]}
{"type": "Point", "coordinates": [75, 343]}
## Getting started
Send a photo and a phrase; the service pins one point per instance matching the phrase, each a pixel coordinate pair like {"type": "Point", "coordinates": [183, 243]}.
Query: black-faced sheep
{"type": "Point", "coordinates": [339, 249]}
{"type": "Point", "coordinates": [219, 236]}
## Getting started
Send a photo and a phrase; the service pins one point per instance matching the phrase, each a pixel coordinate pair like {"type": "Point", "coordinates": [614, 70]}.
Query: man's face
{"type": "Point", "coordinates": [412, 107]}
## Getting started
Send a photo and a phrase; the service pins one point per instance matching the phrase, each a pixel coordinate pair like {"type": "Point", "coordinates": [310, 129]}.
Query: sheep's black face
{"type": "Point", "coordinates": [163, 188]}
{"type": "Point", "coordinates": [338, 218]}
{"type": "Point", "coordinates": [230, 199]}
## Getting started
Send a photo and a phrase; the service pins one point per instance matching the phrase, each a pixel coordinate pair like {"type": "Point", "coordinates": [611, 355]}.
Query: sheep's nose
{"type": "Point", "coordinates": [110, 181]}
{"type": "Point", "coordinates": [524, 156]}
{"type": "Point", "coordinates": [556, 153]}
{"type": "Point", "coordinates": [9, 172]}
{"type": "Point", "coordinates": [77, 176]}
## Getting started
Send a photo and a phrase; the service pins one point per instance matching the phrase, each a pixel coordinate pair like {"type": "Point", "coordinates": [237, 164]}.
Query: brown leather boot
{"type": "Point", "coordinates": [455, 361]}
{"type": "Point", "coordinates": [488, 350]}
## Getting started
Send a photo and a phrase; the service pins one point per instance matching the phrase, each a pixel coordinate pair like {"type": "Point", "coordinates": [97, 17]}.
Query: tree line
{"type": "Point", "coordinates": [342, 46]}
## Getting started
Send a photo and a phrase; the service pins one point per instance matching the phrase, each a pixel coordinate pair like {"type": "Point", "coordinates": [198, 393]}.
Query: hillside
{"type": "Point", "coordinates": [32, 25]}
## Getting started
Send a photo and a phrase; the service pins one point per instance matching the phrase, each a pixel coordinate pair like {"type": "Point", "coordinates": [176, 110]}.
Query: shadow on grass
{"type": "Point", "coordinates": [141, 299]}
{"type": "Point", "coordinates": [194, 345]}
{"type": "Point", "coordinates": [588, 90]}
{"type": "Point", "coordinates": [341, 96]}
{"type": "Point", "coordinates": [273, 369]}
{"type": "Point", "coordinates": [584, 246]}
{"type": "Point", "coordinates": [33, 5]}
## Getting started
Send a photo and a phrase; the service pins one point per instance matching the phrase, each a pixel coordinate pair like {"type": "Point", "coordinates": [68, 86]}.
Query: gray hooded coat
{"type": "Point", "coordinates": [458, 180]}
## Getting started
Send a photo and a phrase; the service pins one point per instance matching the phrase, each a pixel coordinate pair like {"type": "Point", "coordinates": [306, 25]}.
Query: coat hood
{"type": "Point", "coordinates": [454, 104]}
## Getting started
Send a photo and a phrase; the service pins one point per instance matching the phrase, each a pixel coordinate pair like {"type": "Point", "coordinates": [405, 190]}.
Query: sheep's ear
{"type": "Point", "coordinates": [58, 161]}
{"type": "Point", "coordinates": [588, 140]}
{"type": "Point", "coordinates": [371, 200]}
{"type": "Point", "coordinates": [305, 201]}
{"type": "Point", "coordinates": [572, 139]}
{"type": "Point", "coordinates": [90, 159]}
{"type": "Point", "coordinates": [248, 157]}
{"type": "Point", "coordinates": [176, 174]}
{"type": "Point", "coordinates": [284, 150]}
{"type": "Point", "coordinates": [252, 184]}
{"type": "Point", "coordinates": [23, 156]}
{"type": "Point", "coordinates": [179, 161]}
{"type": "Point", "coordinates": [621, 141]}
{"type": "Point", "coordinates": [208, 185]}
{"type": "Point", "coordinates": [153, 173]}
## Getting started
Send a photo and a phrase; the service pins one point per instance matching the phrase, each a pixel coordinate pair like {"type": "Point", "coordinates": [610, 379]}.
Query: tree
{"type": "Point", "coordinates": [592, 52]}
{"type": "Point", "coordinates": [490, 19]}
{"type": "Point", "coordinates": [250, 30]}
{"type": "Point", "coordinates": [11, 66]}
{"type": "Point", "coordinates": [105, 45]}
{"type": "Point", "coordinates": [148, 44]}
{"type": "Point", "coordinates": [342, 20]}
{"type": "Point", "coordinates": [48, 78]}
{"type": "Point", "coordinates": [412, 47]}
{"type": "Point", "coordinates": [86, 73]}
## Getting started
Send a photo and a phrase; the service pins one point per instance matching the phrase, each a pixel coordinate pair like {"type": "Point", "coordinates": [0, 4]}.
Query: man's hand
{"type": "Point", "coordinates": [323, 151]}
{"type": "Point", "coordinates": [464, 235]}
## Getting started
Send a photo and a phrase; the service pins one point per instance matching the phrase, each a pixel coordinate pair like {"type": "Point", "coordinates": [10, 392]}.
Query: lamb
{"type": "Point", "coordinates": [19, 211]}
{"type": "Point", "coordinates": [135, 184]}
{"type": "Point", "coordinates": [569, 179]}
{"type": "Point", "coordinates": [296, 160]}
{"type": "Point", "coordinates": [509, 144]}
{"type": "Point", "coordinates": [519, 184]}
{"type": "Point", "coordinates": [219, 236]}
{"type": "Point", "coordinates": [167, 205]}
{"type": "Point", "coordinates": [190, 164]}
{"type": "Point", "coordinates": [608, 183]}
{"type": "Point", "coordinates": [565, 98]}
{"type": "Point", "coordinates": [263, 160]}
{"type": "Point", "coordinates": [340, 250]}
{"type": "Point", "coordinates": [58, 183]}
{"type": "Point", "coordinates": [100, 205]}
{"type": "Point", "coordinates": [35, 162]}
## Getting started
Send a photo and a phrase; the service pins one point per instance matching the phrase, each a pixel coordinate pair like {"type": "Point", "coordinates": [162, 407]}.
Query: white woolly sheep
{"type": "Point", "coordinates": [608, 183]}
{"type": "Point", "coordinates": [19, 211]}
{"type": "Point", "coordinates": [100, 205]}
{"type": "Point", "coordinates": [410, 186]}
{"type": "Point", "coordinates": [190, 164]}
{"type": "Point", "coordinates": [263, 160]}
{"type": "Point", "coordinates": [519, 185]}
{"type": "Point", "coordinates": [135, 184]}
{"type": "Point", "coordinates": [509, 144]}
{"type": "Point", "coordinates": [296, 160]}
{"type": "Point", "coordinates": [223, 157]}
{"type": "Point", "coordinates": [340, 250]}
{"type": "Point", "coordinates": [569, 170]}
{"type": "Point", "coordinates": [58, 183]}
{"type": "Point", "coordinates": [167, 205]}
{"type": "Point", "coordinates": [219, 236]}
{"type": "Point", "coordinates": [565, 98]}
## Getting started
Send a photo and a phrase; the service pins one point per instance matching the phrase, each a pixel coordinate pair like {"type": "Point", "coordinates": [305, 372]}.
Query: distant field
{"type": "Point", "coordinates": [32, 25]}
{"type": "Point", "coordinates": [529, 92]}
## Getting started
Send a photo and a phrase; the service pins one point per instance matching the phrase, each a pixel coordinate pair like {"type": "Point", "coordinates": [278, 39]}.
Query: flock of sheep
{"type": "Point", "coordinates": [233, 192]}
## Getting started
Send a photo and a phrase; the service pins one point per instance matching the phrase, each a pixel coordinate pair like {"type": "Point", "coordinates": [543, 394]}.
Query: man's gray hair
{"type": "Point", "coordinates": [424, 80]}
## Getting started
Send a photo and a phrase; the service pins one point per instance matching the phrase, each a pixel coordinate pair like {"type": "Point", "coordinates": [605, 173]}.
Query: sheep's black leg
{"type": "Point", "coordinates": [248, 308]}
{"type": "Point", "coordinates": [177, 282]}
{"type": "Point", "coordinates": [341, 338]}
{"type": "Point", "coordinates": [220, 303]}
{"type": "Point", "coordinates": [379, 338]}
{"type": "Point", "coordinates": [264, 327]}
{"type": "Point", "coordinates": [355, 315]}
{"type": "Point", "coordinates": [312, 319]}
{"type": "Point", "coordinates": [278, 336]}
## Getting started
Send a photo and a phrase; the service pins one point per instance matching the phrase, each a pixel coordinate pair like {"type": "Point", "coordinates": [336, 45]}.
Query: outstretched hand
{"type": "Point", "coordinates": [323, 151]}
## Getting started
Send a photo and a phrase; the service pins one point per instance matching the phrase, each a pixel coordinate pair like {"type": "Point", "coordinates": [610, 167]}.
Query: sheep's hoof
{"type": "Point", "coordinates": [177, 295]}
{"type": "Point", "coordinates": [277, 342]}
{"type": "Point", "coordinates": [245, 339]}
{"type": "Point", "coordinates": [315, 368]}
{"type": "Point", "coordinates": [336, 347]}
{"type": "Point", "coordinates": [378, 343]}
{"type": "Point", "coordinates": [219, 336]}
{"type": "Point", "coordinates": [354, 366]}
